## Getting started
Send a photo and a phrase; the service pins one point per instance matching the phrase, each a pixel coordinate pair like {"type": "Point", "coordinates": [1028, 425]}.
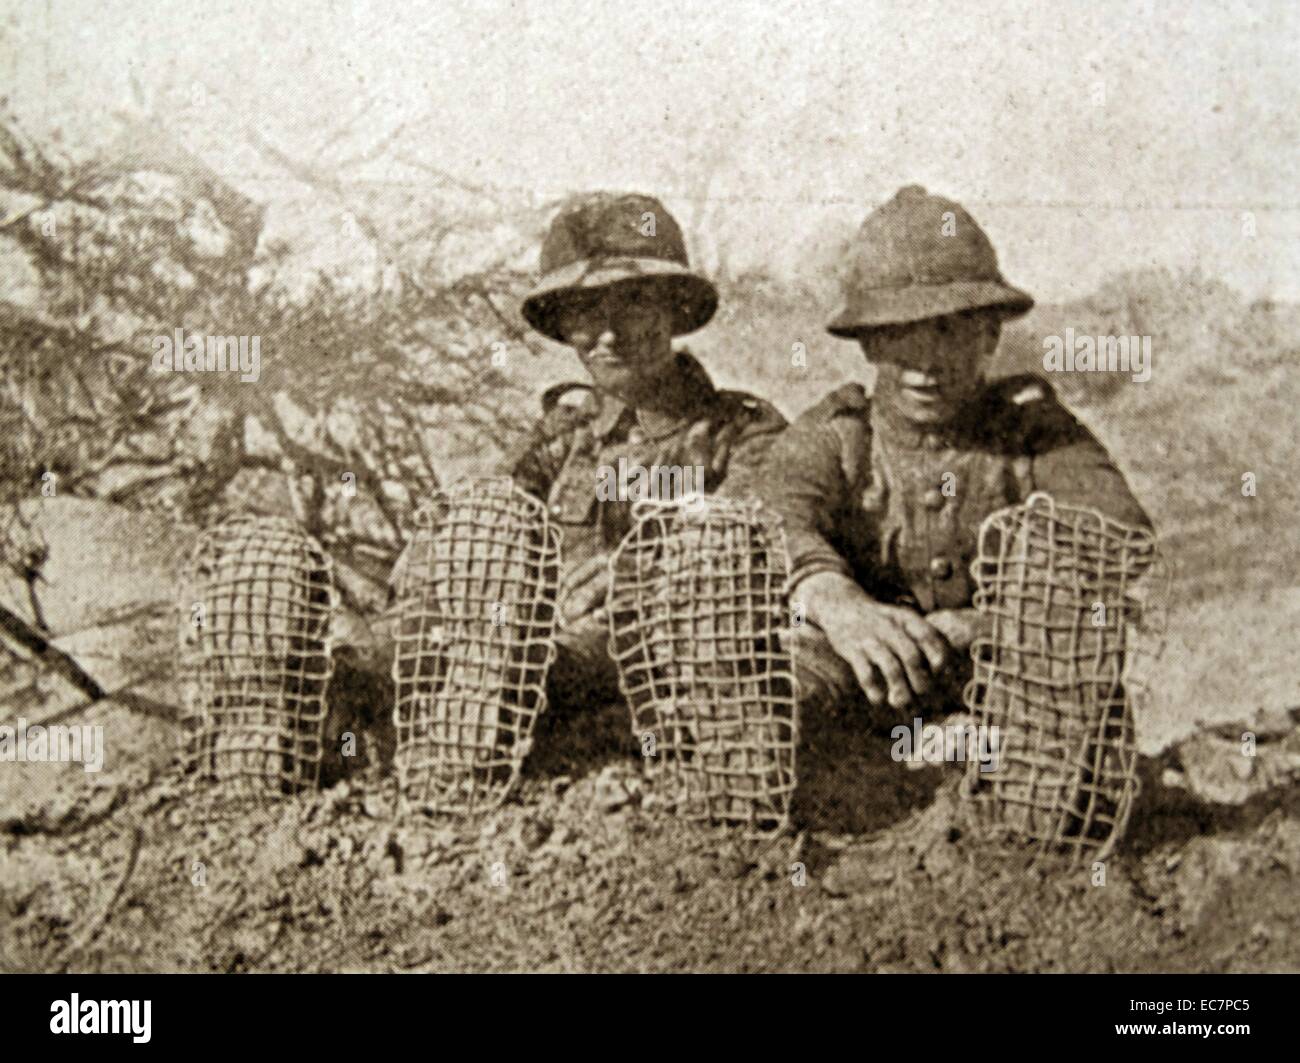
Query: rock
{"type": "Point", "coordinates": [415, 844]}
{"type": "Point", "coordinates": [857, 872]}
{"type": "Point", "coordinates": [1235, 763]}
{"type": "Point", "coordinates": [940, 860]}
{"type": "Point", "coordinates": [1208, 865]}
{"type": "Point", "coordinates": [534, 831]}
{"type": "Point", "coordinates": [615, 789]}
{"type": "Point", "coordinates": [287, 854]}
{"type": "Point", "coordinates": [382, 855]}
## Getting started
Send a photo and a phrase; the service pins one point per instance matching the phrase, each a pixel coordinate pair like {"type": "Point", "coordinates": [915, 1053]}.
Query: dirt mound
{"type": "Point", "coordinates": [586, 872]}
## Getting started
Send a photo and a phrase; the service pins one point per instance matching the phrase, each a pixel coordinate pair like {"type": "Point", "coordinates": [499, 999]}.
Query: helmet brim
{"type": "Point", "coordinates": [919, 302]}
{"type": "Point", "coordinates": [693, 299]}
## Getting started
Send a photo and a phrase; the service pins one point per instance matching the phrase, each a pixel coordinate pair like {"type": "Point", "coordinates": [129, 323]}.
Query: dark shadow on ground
{"type": "Point", "coordinates": [848, 781]}
{"type": "Point", "coordinates": [579, 739]}
{"type": "Point", "coordinates": [1164, 815]}
{"type": "Point", "coordinates": [586, 724]}
{"type": "Point", "coordinates": [360, 703]}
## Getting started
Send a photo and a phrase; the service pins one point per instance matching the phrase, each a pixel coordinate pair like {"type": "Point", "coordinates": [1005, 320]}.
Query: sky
{"type": "Point", "coordinates": [1087, 138]}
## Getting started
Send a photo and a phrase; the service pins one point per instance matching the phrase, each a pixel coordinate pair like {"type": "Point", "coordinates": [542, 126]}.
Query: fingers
{"type": "Point", "coordinates": [593, 589]}
{"type": "Point", "coordinates": [914, 664]}
{"type": "Point", "coordinates": [884, 658]}
{"type": "Point", "coordinates": [583, 601]}
{"type": "Point", "coordinates": [895, 652]}
{"type": "Point", "coordinates": [882, 673]}
{"type": "Point", "coordinates": [930, 641]}
{"type": "Point", "coordinates": [585, 588]}
{"type": "Point", "coordinates": [868, 678]}
{"type": "Point", "coordinates": [908, 654]}
{"type": "Point", "coordinates": [584, 573]}
{"type": "Point", "coordinates": [959, 626]}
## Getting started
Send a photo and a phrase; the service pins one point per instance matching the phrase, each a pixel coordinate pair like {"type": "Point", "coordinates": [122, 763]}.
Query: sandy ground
{"type": "Point", "coordinates": [582, 872]}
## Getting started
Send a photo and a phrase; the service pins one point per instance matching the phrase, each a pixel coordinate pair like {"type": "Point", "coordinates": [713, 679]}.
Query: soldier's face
{"type": "Point", "coordinates": [927, 371]}
{"type": "Point", "coordinates": [623, 337]}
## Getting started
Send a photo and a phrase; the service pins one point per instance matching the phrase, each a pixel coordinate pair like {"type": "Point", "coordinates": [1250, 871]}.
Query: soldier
{"type": "Point", "coordinates": [883, 497]}
{"type": "Point", "coordinates": [616, 286]}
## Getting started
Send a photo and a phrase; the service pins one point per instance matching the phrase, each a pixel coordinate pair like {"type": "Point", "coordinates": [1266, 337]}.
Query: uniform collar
{"type": "Point", "coordinates": [693, 392]}
{"type": "Point", "coordinates": [901, 432]}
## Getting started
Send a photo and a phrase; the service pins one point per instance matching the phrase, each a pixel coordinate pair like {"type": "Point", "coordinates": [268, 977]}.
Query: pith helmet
{"type": "Point", "coordinates": [602, 238]}
{"type": "Point", "coordinates": [921, 256]}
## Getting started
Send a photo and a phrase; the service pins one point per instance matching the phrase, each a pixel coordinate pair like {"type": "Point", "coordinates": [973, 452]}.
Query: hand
{"type": "Point", "coordinates": [893, 651]}
{"type": "Point", "coordinates": [583, 590]}
{"type": "Point", "coordinates": [960, 627]}
{"type": "Point", "coordinates": [364, 643]}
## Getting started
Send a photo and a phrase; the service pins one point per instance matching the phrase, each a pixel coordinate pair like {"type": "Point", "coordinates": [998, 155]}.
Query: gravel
{"type": "Point", "coordinates": [584, 872]}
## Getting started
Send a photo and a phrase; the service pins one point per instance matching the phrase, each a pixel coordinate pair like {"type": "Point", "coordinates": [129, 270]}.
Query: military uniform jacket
{"type": "Point", "coordinates": [582, 432]}
{"type": "Point", "coordinates": [898, 509]}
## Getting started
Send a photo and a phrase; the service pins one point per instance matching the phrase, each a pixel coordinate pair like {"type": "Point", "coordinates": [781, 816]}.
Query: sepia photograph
{"type": "Point", "coordinates": [529, 486]}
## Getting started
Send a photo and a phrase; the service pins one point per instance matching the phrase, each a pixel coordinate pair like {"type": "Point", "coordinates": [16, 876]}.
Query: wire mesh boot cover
{"type": "Point", "coordinates": [697, 600]}
{"type": "Point", "coordinates": [475, 638]}
{"type": "Point", "coordinates": [256, 659]}
{"type": "Point", "coordinates": [1057, 583]}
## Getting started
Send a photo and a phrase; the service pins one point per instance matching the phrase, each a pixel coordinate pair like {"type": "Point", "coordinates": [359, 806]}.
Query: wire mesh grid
{"type": "Point", "coordinates": [1058, 583]}
{"type": "Point", "coordinates": [474, 633]}
{"type": "Point", "coordinates": [698, 598]}
{"type": "Point", "coordinates": [256, 616]}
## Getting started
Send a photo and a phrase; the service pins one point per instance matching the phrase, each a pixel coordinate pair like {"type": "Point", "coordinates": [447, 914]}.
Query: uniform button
{"type": "Point", "coordinates": [556, 509]}
{"type": "Point", "coordinates": [636, 436]}
{"type": "Point", "coordinates": [933, 442]}
{"type": "Point", "coordinates": [933, 499]}
{"type": "Point", "coordinates": [940, 568]}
